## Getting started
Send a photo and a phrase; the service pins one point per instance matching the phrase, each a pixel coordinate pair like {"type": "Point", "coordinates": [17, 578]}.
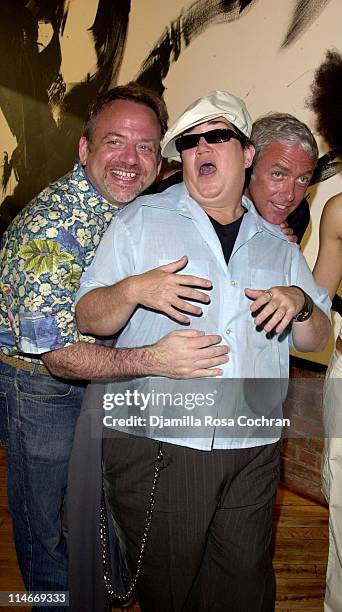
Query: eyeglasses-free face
{"type": "Point", "coordinates": [189, 141]}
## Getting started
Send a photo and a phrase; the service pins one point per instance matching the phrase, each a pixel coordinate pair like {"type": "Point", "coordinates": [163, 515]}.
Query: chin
{"type": "Point", "coordinates": [124, 198]}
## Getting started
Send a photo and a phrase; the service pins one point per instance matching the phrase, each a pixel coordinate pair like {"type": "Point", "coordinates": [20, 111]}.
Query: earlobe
{"type": "Point", "coordinates": [249, 155]}
{"type": "Point", "coordinates": [83, 150]}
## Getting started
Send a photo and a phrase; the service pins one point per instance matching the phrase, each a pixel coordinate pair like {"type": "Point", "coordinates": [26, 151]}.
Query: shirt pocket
{"type": "Point", "coordinates": [262, 278]}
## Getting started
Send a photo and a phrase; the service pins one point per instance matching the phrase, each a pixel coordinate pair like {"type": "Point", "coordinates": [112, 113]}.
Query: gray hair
{"type": "Point", "coordinates": [283, 128]}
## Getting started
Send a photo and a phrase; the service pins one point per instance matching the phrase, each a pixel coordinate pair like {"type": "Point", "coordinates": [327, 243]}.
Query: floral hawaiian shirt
{"type": "Point", "coordinates": [44, 252]}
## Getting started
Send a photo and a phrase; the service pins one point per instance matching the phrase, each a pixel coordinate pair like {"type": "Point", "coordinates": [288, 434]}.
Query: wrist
{"type": "Point", "coordinates": [130, 290]}
{"type": "Point", "coordinates": [149, 360]}
{"type": "Point", "coordinates": [306, 311]}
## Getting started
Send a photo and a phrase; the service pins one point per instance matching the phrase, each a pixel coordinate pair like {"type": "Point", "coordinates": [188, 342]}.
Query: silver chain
{"type": "Point", "coordinates": [107, 573]}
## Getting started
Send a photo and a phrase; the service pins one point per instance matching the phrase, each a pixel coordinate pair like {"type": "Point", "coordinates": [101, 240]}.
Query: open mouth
{"type": "Point", "coordinates": [206, 169]}
{"type": "Point", "coordinates": [280, 206]}
{"type": "Point", "coordinates": [124, 174]}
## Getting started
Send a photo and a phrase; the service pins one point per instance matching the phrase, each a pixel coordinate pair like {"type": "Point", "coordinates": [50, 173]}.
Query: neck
{"type": "Point", "coordinates": [225, 215]}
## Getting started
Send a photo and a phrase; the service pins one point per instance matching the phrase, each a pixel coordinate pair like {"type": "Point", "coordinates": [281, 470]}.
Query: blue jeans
{"type": "Point", "coordinates": [38, 416]}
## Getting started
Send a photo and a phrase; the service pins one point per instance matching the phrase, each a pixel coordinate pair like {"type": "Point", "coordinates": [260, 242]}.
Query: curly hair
{"type": "Point", "coordinates": [326, 99]}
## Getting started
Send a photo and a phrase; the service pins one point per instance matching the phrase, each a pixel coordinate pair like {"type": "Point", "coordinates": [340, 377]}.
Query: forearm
{"type": "Point", "coordinates": [179, 354]}
{"type": "Point", "coordinates": [105, 310]}
{"type": "Point", "coordinates": [84, 361]}
{"type": "Point", "coordinates": [313, 334]}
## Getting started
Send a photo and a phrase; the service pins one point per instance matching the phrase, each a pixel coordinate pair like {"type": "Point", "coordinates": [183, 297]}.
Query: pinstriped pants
{"type": "Point", "coordinates": [209, 545]}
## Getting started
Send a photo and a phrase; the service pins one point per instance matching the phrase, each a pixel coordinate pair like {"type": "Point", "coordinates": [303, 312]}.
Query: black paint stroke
{"type": "Point", "coordinates": [326, 167]}
{"type": "Point", "coordinates": [25, 75]}
{"type": "Point", "coordinates": [305, 13]}
{"type": "Point", "coordinates": [31, 86]}
{"type": "Point", "coordinates": [6, 170]}
{"type": "Point", "coordinates": [182, 31]}
{"type": "Point", "coordinates": [109, 33]}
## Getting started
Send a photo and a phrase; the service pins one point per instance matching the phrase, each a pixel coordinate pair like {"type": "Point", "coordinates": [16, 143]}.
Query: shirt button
{"type": "Point", "coordinates": [228, 331]}
{"type": "Point", "coordinates": [233, 283]}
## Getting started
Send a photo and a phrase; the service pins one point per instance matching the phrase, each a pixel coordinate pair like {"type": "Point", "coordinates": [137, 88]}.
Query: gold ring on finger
{"type": "Point", "coordinates": [269, 293]}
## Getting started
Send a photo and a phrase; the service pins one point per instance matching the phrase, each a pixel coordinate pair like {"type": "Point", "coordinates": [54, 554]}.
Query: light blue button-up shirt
{"type": "Point", "coordinates": [158, 229]}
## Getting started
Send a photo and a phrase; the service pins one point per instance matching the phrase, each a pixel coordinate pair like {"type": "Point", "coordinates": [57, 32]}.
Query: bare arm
{"type": "Point", "coordinates": [313, 334]}
{"type": "Point", "coordinates": [328, 267]}
{"type": "Point", "coordinates": [180, 354]}
{"type": "Point", "coordinates": [105, 310]}
{"type": "Point", "coordinates": [276, 308]}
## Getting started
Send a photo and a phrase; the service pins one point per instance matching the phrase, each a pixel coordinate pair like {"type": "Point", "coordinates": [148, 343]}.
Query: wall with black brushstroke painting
{"type": "Point", "coordinates": [56, 55]}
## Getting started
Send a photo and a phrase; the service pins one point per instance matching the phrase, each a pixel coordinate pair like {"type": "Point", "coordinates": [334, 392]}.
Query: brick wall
{"type": "Point", "coordinates": [302, 444]}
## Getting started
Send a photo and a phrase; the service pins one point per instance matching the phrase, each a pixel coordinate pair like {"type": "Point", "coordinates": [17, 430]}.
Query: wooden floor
{"type": "Point", "coordinates": [300, 551]}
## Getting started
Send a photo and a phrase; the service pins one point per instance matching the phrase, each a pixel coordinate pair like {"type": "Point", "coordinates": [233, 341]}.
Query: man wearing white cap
{"type": "Point", "coordinates": [208, 543]}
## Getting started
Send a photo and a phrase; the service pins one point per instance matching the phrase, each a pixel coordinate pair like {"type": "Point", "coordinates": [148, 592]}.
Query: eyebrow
{"type": "Point", "coordinates": [280, 166]}
{"type": "Point", "coordinates": [287, 169]}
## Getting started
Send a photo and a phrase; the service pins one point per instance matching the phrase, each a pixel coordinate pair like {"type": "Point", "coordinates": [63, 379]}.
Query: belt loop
{"type": "Point", "coordinates": [35, 369]}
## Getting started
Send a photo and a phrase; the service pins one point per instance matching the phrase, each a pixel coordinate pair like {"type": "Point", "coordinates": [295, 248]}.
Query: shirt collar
{"type": "Point", "coordinates": [261, 223]}
{"type": "Point", "coordinates": [89, 196]}
{"type": "Point", "coordinates": [177, 198]}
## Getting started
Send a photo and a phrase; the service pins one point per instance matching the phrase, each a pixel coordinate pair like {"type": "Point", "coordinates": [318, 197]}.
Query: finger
{"type": "Point", "coordinates": [283, 325]}
{"type": "Point", "coordinates": [188, 333]}
{"type": "Point", "coordinates": [190, 308]}
{"type": "Point", "coordinates": [286, 229]}
{"type": "Point", "coordinates": [205, 341]}
{"type": "Point", "coordinates": [177, 316]}
{"type": "Point", "coordinates": [277, 317]}
{"type": "Point", "coordinates": [213, 362]}
{"type": "Point", "coordinates": [211, 352]}
{"type": "Point", "coordinates": [265, 313]}
{"type": "Point", "coordinates": [210, 373]}
{"type": "Point", "coordinates": [253, 293]}
{"type": "Point", "coordinates": [193, 281]}
{"type": "Point", "coordinates": [193, 294]}
{"type": "Point", "coordinates": [171, 312]}
{"type": "Point", "coordinates": [262, 301]}
{"type": "Point", "coordinates": [173, 266]}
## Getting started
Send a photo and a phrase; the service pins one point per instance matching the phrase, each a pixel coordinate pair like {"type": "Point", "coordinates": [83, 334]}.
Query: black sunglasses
{"type": "Point", "coordinates": [189, 141]}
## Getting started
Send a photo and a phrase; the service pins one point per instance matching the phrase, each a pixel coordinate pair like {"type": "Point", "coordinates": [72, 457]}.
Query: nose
{"type": "Point", "coordinates": [129, 154]}
{"type": "Point", "coordinates": [288, 190]}
{"type": "Point", "coordinates": [202, 145]}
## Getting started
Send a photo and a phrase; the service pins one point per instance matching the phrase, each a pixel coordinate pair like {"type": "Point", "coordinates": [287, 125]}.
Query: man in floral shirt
{"type": "Point", "coordinates": [44, 358]}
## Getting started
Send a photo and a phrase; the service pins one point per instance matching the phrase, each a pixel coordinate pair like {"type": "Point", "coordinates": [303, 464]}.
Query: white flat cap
{"type": "Point", "coordinates": [215, 104]}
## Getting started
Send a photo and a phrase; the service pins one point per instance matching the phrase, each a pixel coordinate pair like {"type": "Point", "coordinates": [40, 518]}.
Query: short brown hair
{"type": "Point", "coordinates": [134, 92]}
